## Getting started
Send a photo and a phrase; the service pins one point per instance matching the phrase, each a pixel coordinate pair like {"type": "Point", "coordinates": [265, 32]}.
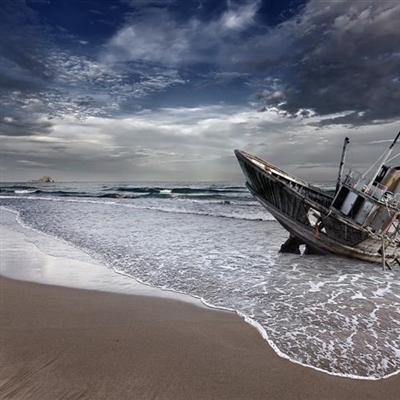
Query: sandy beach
{"type": "Point", "coordinates": [79, 344]}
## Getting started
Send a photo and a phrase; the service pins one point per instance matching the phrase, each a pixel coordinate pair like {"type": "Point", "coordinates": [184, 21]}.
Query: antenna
{"type": "Point", "coordinates": [394, 141]}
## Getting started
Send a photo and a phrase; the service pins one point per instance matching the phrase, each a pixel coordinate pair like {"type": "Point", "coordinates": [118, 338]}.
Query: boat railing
{"type": "Point", "coordinates": [376, 191]}
{"type": "Point", "coordinates": [356, 180]}
{"type": "Point", "coordinates": [394, 200]}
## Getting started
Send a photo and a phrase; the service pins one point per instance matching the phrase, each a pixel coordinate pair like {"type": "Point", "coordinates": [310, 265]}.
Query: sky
{"type": "Point", "coordinates": [165, 90]}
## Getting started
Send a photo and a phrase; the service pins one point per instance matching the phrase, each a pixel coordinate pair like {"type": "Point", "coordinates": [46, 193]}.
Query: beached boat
{"type": "Point", "coordinates": [361, 219]}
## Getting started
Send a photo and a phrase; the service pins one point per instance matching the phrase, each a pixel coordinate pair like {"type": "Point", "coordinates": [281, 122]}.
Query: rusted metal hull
{"type": "Point", "coordinates": [305, 212]}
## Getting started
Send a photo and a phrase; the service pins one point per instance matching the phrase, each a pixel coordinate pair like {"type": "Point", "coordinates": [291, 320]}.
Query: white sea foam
{"type": "Point", "coordinates": [25, 191]}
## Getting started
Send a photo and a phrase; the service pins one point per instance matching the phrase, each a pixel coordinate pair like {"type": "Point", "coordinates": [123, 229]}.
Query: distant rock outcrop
{"type": "Point", "coordinates": [43, 179]}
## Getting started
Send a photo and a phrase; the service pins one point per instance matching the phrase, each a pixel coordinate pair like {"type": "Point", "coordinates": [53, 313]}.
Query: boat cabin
{"type": "Point", "coordinates": [373, 204]}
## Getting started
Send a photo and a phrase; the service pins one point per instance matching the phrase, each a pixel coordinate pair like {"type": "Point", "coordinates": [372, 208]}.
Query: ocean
{"type": "Point", "coordinates": [213, 241]}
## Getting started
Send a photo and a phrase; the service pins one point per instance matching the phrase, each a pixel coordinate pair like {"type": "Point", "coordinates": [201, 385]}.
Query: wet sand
{"type": "Point", "coordinates": [64, 343]}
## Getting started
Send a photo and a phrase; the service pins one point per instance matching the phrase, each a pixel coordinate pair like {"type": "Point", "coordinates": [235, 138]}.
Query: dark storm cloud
{"type": "Point", "coordinates": [23, 45]}
{"type": "Point", "coordinates": [334, 57]}
{"type": "Point", "coordinates": [26, 72]}
{"type": "Point", "coordinates": [331, 57]}
{"type": "Point", "coordinates": [162, 36]}
{"type": "Point", "coordinates": [20, 126]}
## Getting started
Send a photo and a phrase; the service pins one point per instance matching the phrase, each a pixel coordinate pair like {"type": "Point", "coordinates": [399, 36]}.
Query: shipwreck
{"type": "Point", "coordinates": [360, 219]}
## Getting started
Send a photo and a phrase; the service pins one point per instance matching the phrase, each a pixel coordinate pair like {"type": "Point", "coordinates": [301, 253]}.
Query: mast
{"type": "Point", "coordinates": [342, 160]}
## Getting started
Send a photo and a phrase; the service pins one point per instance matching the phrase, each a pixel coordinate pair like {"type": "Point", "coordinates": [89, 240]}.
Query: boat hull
{"type": "Point", "coordinates": [304, 211]}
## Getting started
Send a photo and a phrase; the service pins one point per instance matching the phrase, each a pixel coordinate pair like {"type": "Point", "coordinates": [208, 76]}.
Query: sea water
{"type": "Point", "coordinates": [213, 241]}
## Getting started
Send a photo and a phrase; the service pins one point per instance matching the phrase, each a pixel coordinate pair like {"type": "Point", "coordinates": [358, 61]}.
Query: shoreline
{"type": "Point", "coordinates": [79, 270]}
{"type": "Point", "coordinates": [47, 260]}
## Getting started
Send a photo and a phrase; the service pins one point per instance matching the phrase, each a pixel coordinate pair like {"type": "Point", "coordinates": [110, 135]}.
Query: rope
{"type": "Point", "coordinates": [373, 165]}
{"type": "Point", "coordinates": [390, 159]}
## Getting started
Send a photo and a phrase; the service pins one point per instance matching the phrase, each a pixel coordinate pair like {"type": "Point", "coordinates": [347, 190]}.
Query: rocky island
{"type": "Point", "coordinates": [43, 179]}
